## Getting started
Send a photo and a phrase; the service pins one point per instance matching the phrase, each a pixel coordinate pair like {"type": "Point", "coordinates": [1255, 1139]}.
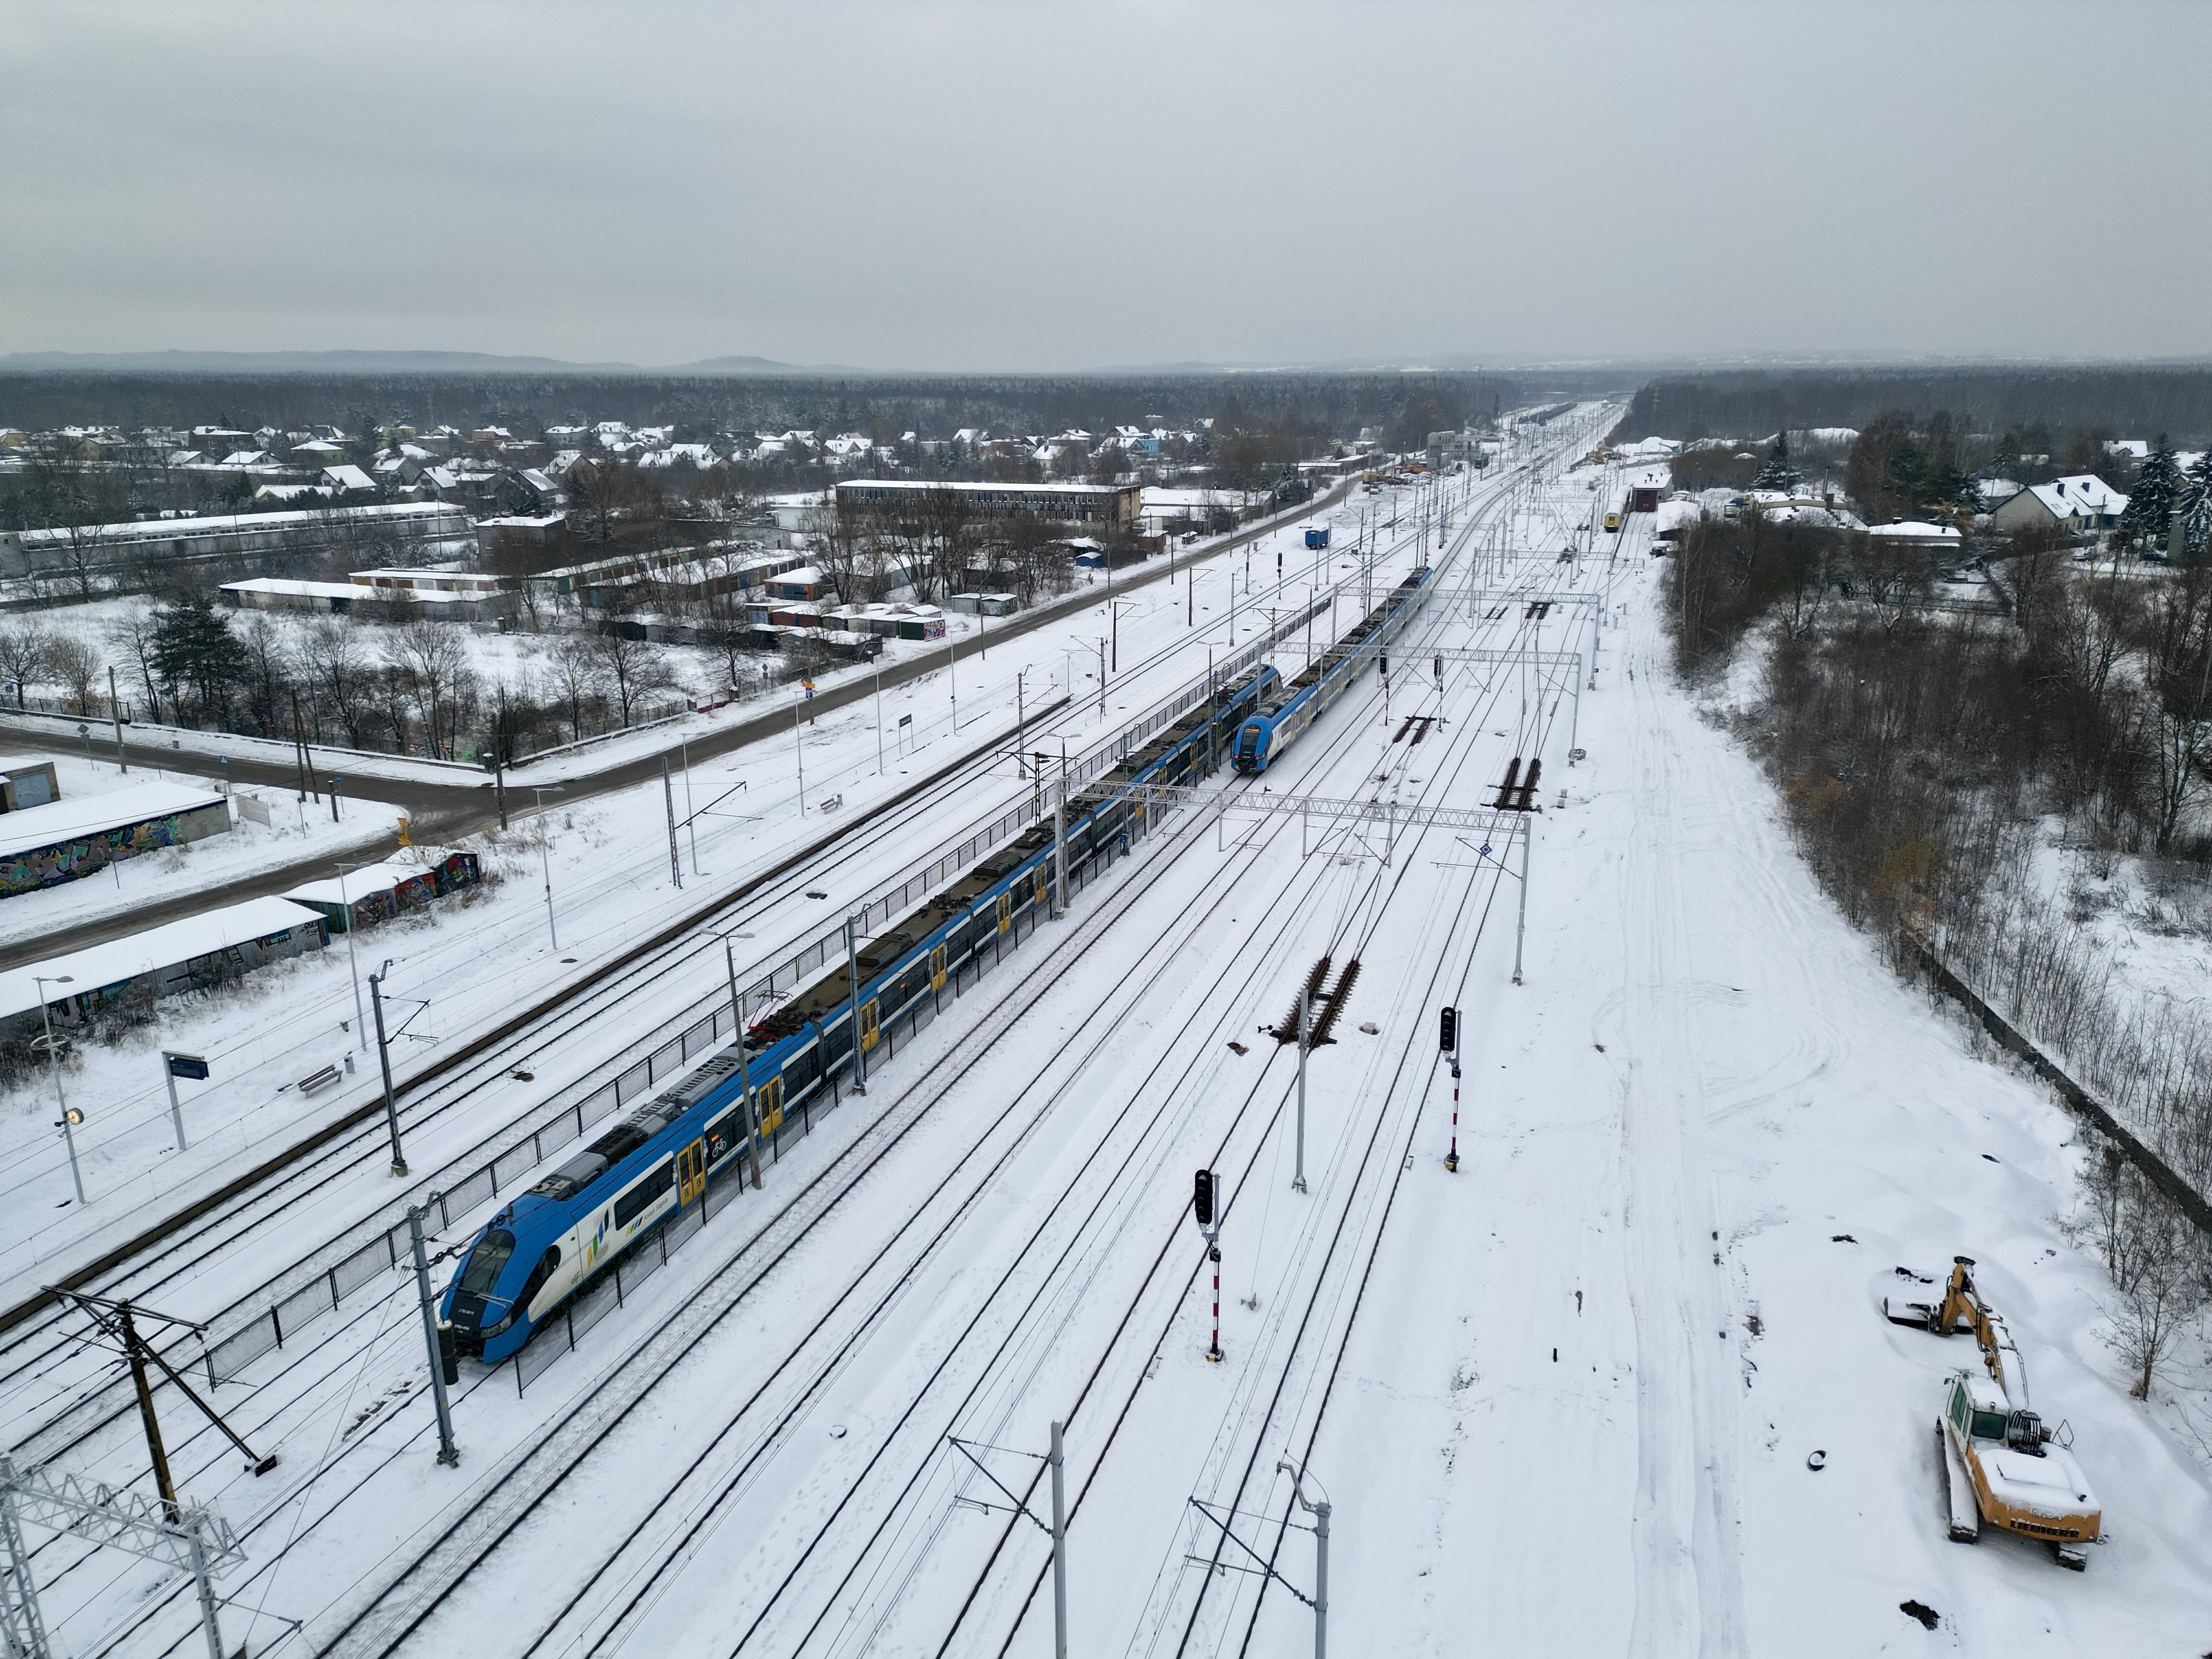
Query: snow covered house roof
{"type": "Point", "coordinates": [348, 478]}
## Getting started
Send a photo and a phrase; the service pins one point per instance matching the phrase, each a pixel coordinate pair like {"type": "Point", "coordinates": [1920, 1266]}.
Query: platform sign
{"type": "Point", "coordinates": [190, 1066]}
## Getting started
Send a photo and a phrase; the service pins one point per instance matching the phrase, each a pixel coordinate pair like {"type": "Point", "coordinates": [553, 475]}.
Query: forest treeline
{"type": "Point", "coordinates": [934, 405]}
{"type": "Point", "coordinates": [2116, 400]}
{"type": "Point", "coordinates": [1986, 783]}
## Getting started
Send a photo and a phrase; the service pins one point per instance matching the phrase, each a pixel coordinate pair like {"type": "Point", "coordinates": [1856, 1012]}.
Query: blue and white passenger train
{"type": "Point", "coordinates": [1285, 710]}
{"type": "Point", "coordinates": [543, 1247]}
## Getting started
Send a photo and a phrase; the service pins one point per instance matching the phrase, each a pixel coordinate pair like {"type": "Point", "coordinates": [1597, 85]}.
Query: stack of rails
{"type": "Point", "coordinates": [558, 1236]}
{"type": "Point", "coordinates": [1284, 714]}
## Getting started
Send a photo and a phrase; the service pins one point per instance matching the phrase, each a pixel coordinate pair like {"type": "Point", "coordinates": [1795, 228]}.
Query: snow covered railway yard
{"type": "Point", "coordinates": [1560, 1400]}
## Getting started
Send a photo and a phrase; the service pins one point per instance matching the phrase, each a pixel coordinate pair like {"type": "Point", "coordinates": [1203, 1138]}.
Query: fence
{"type": "Point", "coordinates": [707, 1025]}
{"type": "Point", "coordinates": [388, 1247]}
{"type": "Point", "coordinates": [562, 1335]}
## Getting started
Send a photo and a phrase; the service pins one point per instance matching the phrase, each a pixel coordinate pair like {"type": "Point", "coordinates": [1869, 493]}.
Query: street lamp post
{"type": "Point", "coordinates": [53, 1054]}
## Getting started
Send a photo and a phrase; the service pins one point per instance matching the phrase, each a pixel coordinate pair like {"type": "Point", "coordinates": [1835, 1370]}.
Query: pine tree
{"type": "Point", "coordinates": [1778, 473]}
{"type": "Point", "coordinates": [2196, 507]}
{"type": "Point", "coordinates": [195, 649]}
{"type": "Point", "coordinates": [2154, 501]}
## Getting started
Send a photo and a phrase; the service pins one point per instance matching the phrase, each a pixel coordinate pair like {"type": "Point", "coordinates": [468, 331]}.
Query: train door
{"type": "Point", "coordinates": [1006, 912]}
{"type": "Point", "coordinates": [1044, 884]}
{"type": "Point", "coordinates": [690, 1172]}
{"type": "Point", "coordinates": [937, 968]}
{"type": "Point", "coordinates": [770, 1094]}
{"type": "Point", "coordinates": [869, 1011]}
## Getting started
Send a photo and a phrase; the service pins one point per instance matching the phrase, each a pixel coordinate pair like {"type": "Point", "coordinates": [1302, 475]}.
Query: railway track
{"type": "Point", "coordinates": [785, 1249]}
{"type": "Point", "coordinates": [244, 1207]}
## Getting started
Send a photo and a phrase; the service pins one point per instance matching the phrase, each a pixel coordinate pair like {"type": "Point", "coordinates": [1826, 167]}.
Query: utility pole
{"type": "Point", "coordinates": [668, 796]}
{"type": "Point", "coordinates": [68, 1122]}
{"type": "Point", "coordinates": [1298, 1180]}
{"type": "Point", "coordinates": [690, 816]}
{"type": "Point", "coordinates": [118, 1322]}
{"type": "Point", "coordinates": [1521, 926]}
{"type": "Point", "coordinates": [799, 749]}
{"type": "Point", "coordinates": [853, 974]}
{"type": "Point", "coordinates": [115, 712]}
{"type": "Point", "coordinates": [1058, 851]}
{"type": "Point", "coordinates": [1059, 1547]}
{"type": "Point", "coordinates": [384, 1059]}
{"type": "Point", "coordinates": [745, 1076]}
{"type": "Point", "coordinates": [437, 1335]}
{"type": "Point", "coordinates": [879, 715]}
{"type": "Point", "coordinates": [1319, 1508]}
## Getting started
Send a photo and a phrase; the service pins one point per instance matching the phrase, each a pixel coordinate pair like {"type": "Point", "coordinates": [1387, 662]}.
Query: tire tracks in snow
{"type": "Point", "coordinates": [1685, 1528]}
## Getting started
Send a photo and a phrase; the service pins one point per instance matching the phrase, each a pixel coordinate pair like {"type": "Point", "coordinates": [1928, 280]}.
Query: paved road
{"type": "Point", "coordinates": [442, 810]}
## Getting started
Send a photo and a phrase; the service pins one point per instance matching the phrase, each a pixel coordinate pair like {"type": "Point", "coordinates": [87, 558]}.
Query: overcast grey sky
{"type": "Point", "coordinates": [1041, 185]}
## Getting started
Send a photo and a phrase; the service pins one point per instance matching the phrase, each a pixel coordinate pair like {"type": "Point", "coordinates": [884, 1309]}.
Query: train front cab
{"type": "Point", "coordinates": [1251, 751]}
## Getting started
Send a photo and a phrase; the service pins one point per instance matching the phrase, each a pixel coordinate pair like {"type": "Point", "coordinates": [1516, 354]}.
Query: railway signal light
{"type": "Point", "coordinates": [1448, 1030]}
{"type": "Point", "coordinates": [1201, 1200]}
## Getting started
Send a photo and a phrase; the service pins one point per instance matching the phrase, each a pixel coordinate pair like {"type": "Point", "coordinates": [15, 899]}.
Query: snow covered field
{"type": "Point", "coordinates": [1561, 1401]}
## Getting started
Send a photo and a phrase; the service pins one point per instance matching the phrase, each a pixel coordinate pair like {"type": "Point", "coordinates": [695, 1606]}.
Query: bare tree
{"type": "Point", "coordinates": [341, 677]}
{"type": "Point", "coordinates": [2158, 1263]}
{"type": "Point", "coordinates": [76, 667]}
{"type": "Point", "coordinates": [25, 658]}
{"type": "Point", "coordinates": [131, 637]}
{"type": "Point", "coordinates": [633, 669]}
{"type": "Point", "coordinates": [269, 674]}
{"type": "Point", "coordinates": [572, 664]}
{"type": "Point", "coordinates": [431, 663]}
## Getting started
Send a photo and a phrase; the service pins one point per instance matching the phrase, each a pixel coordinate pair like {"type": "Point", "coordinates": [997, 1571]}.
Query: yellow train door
{"type": "Point", "coordinates": [1042, 888]}
{"type": "Point", "coordinates": [937, 968]}
{"type": "Point", "coordinates": [1006, 912]}
{"type": "Point", "coordinates": [771, 1104]}
{"type": "Point", "coordinates": [868, 1014]}
{"type": "Point", "coordinates": [690, 1172]}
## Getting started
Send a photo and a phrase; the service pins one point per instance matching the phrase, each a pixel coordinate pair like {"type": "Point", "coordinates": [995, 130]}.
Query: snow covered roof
{"type": "Point", "coordinates": [1914, 530]}
{"type": "Point", "coordinates": [292, 588]}
{"type": "Point", "coordinates": [165, 947]}
{"type": "Point", "coordinates": [2138, 448]}
{"type": "Point", "coordinates": [2080, 495]}
{"type": "Point", "coordinates": [349, 478]}
{"type": "Point", "coordinates": [30, 828]}
{"type": "Point", "coordinates": [357, 885]}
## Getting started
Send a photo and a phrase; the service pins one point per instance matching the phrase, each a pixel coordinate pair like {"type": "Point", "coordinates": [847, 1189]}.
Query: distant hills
{"type": "Point", "coordinates": [374, 362]}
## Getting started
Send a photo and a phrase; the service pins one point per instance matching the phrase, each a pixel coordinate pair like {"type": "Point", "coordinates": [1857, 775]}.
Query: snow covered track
{"type": "Point", "coordinates": [257, 1208]}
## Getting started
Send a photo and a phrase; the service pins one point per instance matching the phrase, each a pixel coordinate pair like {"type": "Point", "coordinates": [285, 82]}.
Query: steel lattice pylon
{"type": "Point", "coordinates": [186, 1536]}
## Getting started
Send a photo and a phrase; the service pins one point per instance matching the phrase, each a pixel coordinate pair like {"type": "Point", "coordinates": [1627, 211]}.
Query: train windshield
{"type": "Point", "coordinates": [1247, 742]}
{"type": "Point", "coordinates": [485, 1261]}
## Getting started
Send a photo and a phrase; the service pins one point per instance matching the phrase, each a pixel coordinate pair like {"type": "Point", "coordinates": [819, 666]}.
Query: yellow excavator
{"type": "Point", "coordinates": [2000, 1466]}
